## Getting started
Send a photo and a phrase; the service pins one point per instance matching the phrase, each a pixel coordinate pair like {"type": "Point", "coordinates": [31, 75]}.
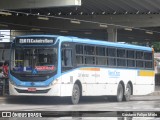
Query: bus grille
{"type": "Point", "coordinates": [37, 91]}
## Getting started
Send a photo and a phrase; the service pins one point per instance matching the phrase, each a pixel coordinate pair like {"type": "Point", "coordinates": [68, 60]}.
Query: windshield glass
{"type": "Point", "coordinates": [33, 60]}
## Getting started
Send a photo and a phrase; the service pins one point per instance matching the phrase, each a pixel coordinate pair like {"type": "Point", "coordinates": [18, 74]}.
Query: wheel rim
{"type": "Point", "coordinates": [128, 91]}
{"type": "Point", "coordinates": [75, 94]}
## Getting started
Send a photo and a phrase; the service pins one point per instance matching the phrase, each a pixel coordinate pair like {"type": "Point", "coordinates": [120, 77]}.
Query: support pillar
{"type": "Point", "coordinates": [112, 33]}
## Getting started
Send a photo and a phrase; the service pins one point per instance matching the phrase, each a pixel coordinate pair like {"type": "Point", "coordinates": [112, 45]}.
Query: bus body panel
{"type": "Point", "coordinates": [143, 89]}
{"type": "Point", "coordinates": [103, 81]}
{"type": "Point", "coordinates": [95, 80]}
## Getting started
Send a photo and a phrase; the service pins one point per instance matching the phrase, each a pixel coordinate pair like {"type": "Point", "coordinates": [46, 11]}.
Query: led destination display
{"type": "Point", "coordinates": [35, 40]}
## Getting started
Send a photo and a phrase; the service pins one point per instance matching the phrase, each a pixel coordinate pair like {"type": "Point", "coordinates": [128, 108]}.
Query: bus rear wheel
{"type": "Point", "coordinates": [128, 93]}
{"type": "Point", "coordinates": [119, 96]}
{"type": "Point", "coordinates": [75, 94]}
{"type": "Point", "coordinates": [120, 92]}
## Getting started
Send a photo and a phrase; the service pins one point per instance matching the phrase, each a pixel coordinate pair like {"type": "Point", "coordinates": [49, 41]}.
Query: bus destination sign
{"type": "Point", "coordinates": [35, 41]}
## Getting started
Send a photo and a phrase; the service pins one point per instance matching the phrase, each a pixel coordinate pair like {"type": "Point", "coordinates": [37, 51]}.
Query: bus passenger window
{"type": "Point", "coordinates": [89, 50]}
{"type": "Point", "coordinates": [111, 61]}
{"type": "Point", "coordinates": [121, 53]}
{"type": "Point", "coordinates": [79, 49]}
{"type": "Point", "coordinates": [100, 51]}
{"type": "Point", "coordinates": [112, 52]}
{"type": "Point", "coordinates": [79, 59]}
{"type": "Point", "coordinates": [139, 55]}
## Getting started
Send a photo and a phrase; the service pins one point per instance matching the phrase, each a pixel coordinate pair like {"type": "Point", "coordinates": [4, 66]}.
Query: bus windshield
{"type": "Point", "coordinates": [33, 60]}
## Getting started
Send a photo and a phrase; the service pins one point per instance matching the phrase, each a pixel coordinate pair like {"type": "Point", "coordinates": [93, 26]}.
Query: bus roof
{"type": "Point", "coordinates": [106, 43]}
{"type": "Point", "coordinates": [93, 42]}
{"type": "Point", "coordinates": [113, 44]}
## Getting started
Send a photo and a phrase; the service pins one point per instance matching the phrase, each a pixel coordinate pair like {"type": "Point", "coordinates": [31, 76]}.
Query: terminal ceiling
{"type": "Point", "coordinates": [139, 14]}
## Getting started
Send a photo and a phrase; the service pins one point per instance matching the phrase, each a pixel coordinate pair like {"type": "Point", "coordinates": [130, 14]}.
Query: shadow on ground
{"type": "Point", "coordinates": [51, 100]}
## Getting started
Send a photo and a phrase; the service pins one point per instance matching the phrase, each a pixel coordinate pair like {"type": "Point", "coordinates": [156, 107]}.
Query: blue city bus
{"type": "Point", "coordinates": [65, 66]}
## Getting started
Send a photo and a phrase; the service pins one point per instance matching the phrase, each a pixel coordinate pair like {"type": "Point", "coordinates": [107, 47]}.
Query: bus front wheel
{"type": "Point", "coordinates": [75, 94]}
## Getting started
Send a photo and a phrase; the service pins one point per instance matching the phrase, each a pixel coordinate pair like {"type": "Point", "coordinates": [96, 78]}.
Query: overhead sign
{"type": "Point", "coordinates": [4, 35]}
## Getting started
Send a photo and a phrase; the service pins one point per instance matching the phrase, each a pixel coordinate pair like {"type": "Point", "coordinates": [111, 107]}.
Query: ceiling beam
{"type": "Point", "coordinates": [21, 4]}
{"type": "Point", "coordinates": [56, 25]}
{"type": "Point", "coordinates": [151, 20]}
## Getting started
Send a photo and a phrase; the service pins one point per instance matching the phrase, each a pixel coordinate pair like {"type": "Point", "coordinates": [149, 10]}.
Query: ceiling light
{"type": "Point", "coordinates": [103, 12]}
{"type": "Point", "coordinates": [64, 31]}
{"type": "Point", "coordinates": [87, 33]}
{"type": "Point", "coordinates": [3, 25]}
{"type": "Point", "coordinates": [75, 21]}
{"type": "Point", "coordinates": [131, 37]}
{"type": "Point", "coordinates": [137, 12]}
{"type": "Point", "coordinates": [43, 18]}
{"type": "Point", "coordinates": [49, 13]}
{"type": "Point", "coordinates": [128, 29]}
{"type": "Point", "coordinates": [59, 13]}
{"type": "Point", "coordinates": [5, 13]}
{"type": "Point", "coordinates": [149, 32]}
{"type": "Point", "coordinates": [115, 12]}
{"type": "Point", "coordinates": [103, 25]}
{"type": "Point", "coordinates": [35, 29]}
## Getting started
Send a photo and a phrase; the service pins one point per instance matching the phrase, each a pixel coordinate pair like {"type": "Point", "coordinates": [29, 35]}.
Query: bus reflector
{"type": "Point", "coordinates": [145, 73]}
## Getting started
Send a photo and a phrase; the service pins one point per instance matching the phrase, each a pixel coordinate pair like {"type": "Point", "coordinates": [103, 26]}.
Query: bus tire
{"type": "Point", "coordinates": [75, 94]}
{"type": "Point", "coordinates": [120, 92]}
{"type": "Point", "coordinates": [128, 93]}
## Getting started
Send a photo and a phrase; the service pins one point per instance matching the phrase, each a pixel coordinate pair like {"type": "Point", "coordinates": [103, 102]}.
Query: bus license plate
{"type": "Point", "coordinates": [31, 89]}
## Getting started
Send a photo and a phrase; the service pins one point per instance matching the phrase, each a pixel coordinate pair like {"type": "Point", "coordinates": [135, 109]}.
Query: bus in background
{"type": "Point", "coordinates": [50, 65]}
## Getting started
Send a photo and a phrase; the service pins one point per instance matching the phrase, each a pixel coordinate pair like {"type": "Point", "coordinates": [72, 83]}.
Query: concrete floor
{"type": "Point", "coordinates": [89, 108]}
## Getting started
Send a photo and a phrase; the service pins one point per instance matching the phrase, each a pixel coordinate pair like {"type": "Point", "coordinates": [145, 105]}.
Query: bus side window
{"type": "Point", "coordinates": [67, 58]}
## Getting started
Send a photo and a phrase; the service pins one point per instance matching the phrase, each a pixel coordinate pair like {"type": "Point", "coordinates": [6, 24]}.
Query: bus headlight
{"type": "Point", "coordinates": [54, 82]}
{"type": "Point", "coordinates": [51, 83]}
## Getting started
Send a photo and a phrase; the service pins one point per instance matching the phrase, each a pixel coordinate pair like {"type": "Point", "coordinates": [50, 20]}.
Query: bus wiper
{"type": "Point", "coordinates": [33, 75]}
